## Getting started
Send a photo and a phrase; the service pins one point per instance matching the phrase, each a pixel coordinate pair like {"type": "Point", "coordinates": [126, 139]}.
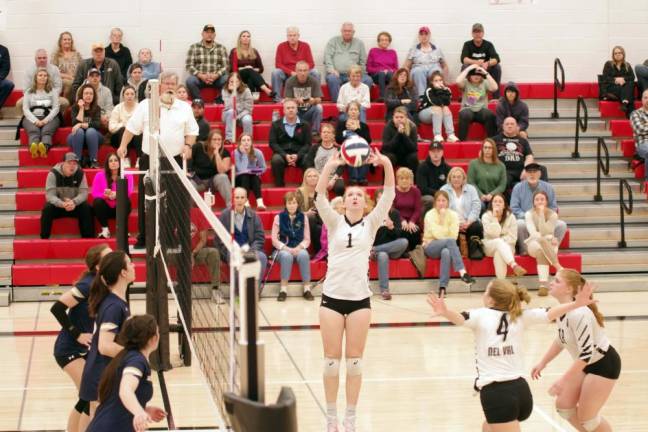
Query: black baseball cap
{"type": "Point", "coordinates": [436, 146]}
{"type": "Point", "coordinates": [533, 167]}
{"type": "Point", "coordinates": [198, 102]}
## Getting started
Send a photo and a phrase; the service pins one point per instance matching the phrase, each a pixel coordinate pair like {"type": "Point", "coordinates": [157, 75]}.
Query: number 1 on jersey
{"type": "Point", "coordinates": [349, 244]}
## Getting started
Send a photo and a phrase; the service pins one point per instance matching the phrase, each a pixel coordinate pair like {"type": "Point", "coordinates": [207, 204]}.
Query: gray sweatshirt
{"type": "Point", "coordinates": [39, 101]}
{"type": "Point", "coordinates": [54, 75]}
{"type": "Point", "coordinates": [244, 102]}
{"type": "Point", "coordinates": [58, 187]}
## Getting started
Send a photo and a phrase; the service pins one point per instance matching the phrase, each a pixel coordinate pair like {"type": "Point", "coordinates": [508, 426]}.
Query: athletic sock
{"type": "Point", "coordinates": [350, 413]}
{"type": "Point", "coordinates": [283, 288]}
{"type": "Point", "coordinates": [331, 410]}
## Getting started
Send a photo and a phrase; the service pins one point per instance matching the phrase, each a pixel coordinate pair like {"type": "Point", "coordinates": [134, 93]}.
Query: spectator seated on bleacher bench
{"type": "Point", "coordinates": [201, 252]}
{"type": "Point", "coordinates": [510, 105]}
{"type": "Point", "coordinates": [306, 198]}
{"type": "Point", "coordinates": [435, 108]}
{"type": "Point", "coordinates": [6, 86]}
{"type": "Point", "coordinates": [288, 54]}
{"type": "Point", "coordinates": [135, 77]}
{"type": "Point", "coordinates": [250, 166]}
{"type": "Point", "coordinates": [244, 106]}
{"type": "Point", "coordinates": [249, 65]}
{"type": "Point", "coordinates": [514, 151]}
{"type": "Point", "coordinates": [423, 59]}
{"type": "Point", "coordinates": [211, 163]}
{"type": "Point", "coordinates": [104, 96]}
{"type": "Point", "coordinates": [118, 52]}
{"type": "Point", "coordinates": [290, 140]}
{"type": "Point", "coordinates": [306, 90]}
{"type": "Point", "coordinates": [431, 175]}
{"type": "Point", "coordinates": [401, 92]}
{"type": "Point", "coordinates": [198, 108]}
{"type": "Point", "coordinates": [480, 52]}
{"type": "Point", "coordinates": [382, 62]}
{"type": "Point", "coordinates": [408, 203]}
{"type": "Point", "coordinates": [639, 121]}
{"type": "Point", "coordinates": [487, 173]}
{"type": "Point", "coordinates": [320, 153]}
{"type": "Point", "coordinates": [66, 192]}
{"type": "Point", "coordinates": [67, 59]}
{"type": "Point", "coordinates": [347, 126]}
{"type": "Point", "coordinates": [104, 193]}
{"type": "Point", "coordinates": [522, 202]}
{"type": "Point", "coordinates": [617, 80]}
{"type": "Point", "coordinates": [41, 62]}
{"type": "Point", "coordinates": [475, 83]}
{"type": "Point", "coordinates": [206, 63]}
{"type": "Point", "coordinates": [109, 71]}
{"type": "Point", "coordinates": [119, 118]}
{"type": "Point", "coordinates": [150, 69]}
{"type": "Point", "coordinates": [354, 91]}
{"type": "Point", "coordinates": [41, 118]}
{"type": "Point", "coordinates": [86, 122]}
{"type": "Point", "coordinates": [399, 140]}
{"type": "Point", "coordinates": [465, 202]}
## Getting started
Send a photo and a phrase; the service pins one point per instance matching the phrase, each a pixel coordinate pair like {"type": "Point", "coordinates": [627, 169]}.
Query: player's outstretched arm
{"type": "Point", "coordinates": [583, 298]}
{"type": "Point", "coordinates": [378, 158]}
{"type": "Point", "coordinates": [439, 307]}
{"type": "Point", "coordinates": [551, 354]}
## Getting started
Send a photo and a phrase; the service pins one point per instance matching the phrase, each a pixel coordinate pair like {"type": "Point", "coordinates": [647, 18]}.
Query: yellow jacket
{"type": "Point", "coordinates": [435, 230]}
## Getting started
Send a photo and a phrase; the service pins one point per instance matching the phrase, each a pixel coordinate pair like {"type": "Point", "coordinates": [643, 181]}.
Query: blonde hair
{"type": "Point", "coordinates": [48, 84]}
{"type": "Point", "coordinates": [576, 281]}
{"type": "Point", "coordinates": [494, 158]}
{"type": "Point", "coordinates": [508, 297]}
{"type": "Point", "coordinates": [250, 54]}
{"type": "Point", "coordinates": [408, 122]}
{"type": "Point", "coordinates": [354, 69]}
{"type": "Point", "coordinates": [454, 170]}
{"type": "Point", "coordinates": [303, 204]}
{"type": "Point", "coordinates": [620, 48]}
{"type": "Point", "coordinates": [404, 172]}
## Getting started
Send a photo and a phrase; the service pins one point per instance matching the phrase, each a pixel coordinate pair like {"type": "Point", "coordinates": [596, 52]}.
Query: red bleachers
{"type": "Point", "coordinates": [620, 128]}
{"type": "Point", "coordinates": [610, 109]}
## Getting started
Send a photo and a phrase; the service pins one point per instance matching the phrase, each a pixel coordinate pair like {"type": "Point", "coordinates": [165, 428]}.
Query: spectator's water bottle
{"type": "Point", "coordinates": [275, 115]}
{"type": "Point", "coordinates": [209, 198]}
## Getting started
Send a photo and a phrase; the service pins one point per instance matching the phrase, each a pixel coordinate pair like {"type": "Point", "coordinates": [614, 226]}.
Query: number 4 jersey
{"type": "Point", "coordinates": [498, 342]}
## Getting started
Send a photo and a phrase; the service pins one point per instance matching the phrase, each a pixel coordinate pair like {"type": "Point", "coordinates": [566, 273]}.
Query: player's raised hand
{"type": "Point", "coordinates": [438, 304]}
{"type": "Point", "coordinates": [584, 296]}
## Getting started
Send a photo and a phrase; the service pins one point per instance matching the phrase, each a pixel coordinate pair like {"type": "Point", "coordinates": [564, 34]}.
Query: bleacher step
{"type": "Point", "coordinates": [603, 212]}
{"type": "Point", "coordinates": [8, 200]}
{"type": "Point", "coordinates": [584, 168]}
{"type": "Point", "coordinates": [563, 147]}
{"type": "Point", "coordinates": [8, 178]}
{"type": "Point", "coordinates": [574, 190]}
{"type": "Point", "coordinates": [5, 273]}
{"type": "Point", "coordinates": [542, 108]}
{"type": "Point", "coordinates": [565, 127]}
{"type": "Point", "coordinates": [615, 261]}
{"type": "Point", "coordinates": [7, 225]}
{"type": "Point", "coordinates": [6, 249]}
{"type": "Point", "coordinates": [9, 157]}
{"type": "Point", "coordinates": [604, 237]}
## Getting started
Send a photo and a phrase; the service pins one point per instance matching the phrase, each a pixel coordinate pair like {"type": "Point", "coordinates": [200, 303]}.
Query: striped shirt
{"type": "Point", "coordinates": [203, 59]}
{"type": "Point", "coordinates": [583, 337]}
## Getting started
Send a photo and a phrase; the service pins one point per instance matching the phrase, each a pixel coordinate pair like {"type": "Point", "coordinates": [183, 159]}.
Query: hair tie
{"type": "Point", "coordinates": [103, 280]}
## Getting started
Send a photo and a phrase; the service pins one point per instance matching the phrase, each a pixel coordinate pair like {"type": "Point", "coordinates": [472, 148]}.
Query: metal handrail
{"type": "Point", "coordinates": [624, 208]}
{"type": "Point", "coordinates": [600, 166]}
{"type": "Point", "coordinates": [557, 84]}
{"type": "Point", "coordinates": [581, 123]}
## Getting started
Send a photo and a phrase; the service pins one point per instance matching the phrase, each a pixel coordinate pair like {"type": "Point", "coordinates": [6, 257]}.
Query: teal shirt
{"type": "Point", "coordinates": [487, 178]}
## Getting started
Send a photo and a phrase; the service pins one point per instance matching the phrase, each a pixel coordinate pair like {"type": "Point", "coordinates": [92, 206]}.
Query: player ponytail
{"type": "Point", "coordinates": [110, 269]}
{"type": "Point", "coordinates": [575, 281]}
{"type": "Point", "coordinates": [135, 334]}
{"type": "Point", "coordinates": [508, 297]}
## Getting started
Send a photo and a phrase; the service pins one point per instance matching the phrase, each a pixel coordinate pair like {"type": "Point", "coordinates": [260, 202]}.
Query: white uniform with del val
{"type": "Point", "coordinates": [349, 246]}
{"type": "Point", "coordinates": [579, 332]}
{"type": "Point", "coordinates": [498, 341]}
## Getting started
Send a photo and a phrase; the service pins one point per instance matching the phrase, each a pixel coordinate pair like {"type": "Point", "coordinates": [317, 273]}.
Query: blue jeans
{"type": "Point", "coordinates": [448, 251]}
{"type": "Point", "coordinates": [420, 76]}
{"type": "Point", "coordinates": [342, 117]}
{"type": "Point", "coordinates": [6, 87]}
{"type": "Point", "coordinates": [194, 84]}
{"type": "Point", "coordinates": [384, 252]}
{"type": "Point", "coordinates": [642, 151]}
{"type": "Point", "coordinates": [382, 79]}
{"type": "Point", "coordinates": [358, 174]}
{"type": "Point", "coordinates": [313, 115]}
{"type": "Point", "coordinates": [246, 122]}
{"type": "Point", "coordinates": [90, 137]}
{"type": "Point", "coordinates": [334, 82]}
{"type": "Point", "coordinates": [279, 77]}
{"type": "Point", "coordinates": [286, 260]}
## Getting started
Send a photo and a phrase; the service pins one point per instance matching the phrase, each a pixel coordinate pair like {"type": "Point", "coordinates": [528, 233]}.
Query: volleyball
{"type": "Point", "coordinates": [355, 151]}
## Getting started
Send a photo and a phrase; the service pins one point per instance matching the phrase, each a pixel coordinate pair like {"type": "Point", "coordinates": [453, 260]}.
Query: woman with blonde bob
{"type": "Point", "coordinates": [583, 389]}
{"type": "Point", "coordinates": [499, 333]}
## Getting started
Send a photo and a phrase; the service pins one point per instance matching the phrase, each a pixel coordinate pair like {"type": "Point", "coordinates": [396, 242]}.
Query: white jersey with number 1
{"type": "Point", "coordinates": [349, 246]}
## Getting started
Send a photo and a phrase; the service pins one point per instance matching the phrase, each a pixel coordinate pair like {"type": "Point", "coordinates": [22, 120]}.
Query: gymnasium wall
{"type": "Point", "coordinates": [527, 35]}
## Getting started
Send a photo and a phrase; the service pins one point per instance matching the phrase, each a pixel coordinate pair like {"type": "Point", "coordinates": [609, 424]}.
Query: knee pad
{"type": "Point", "coordinates": [592, 424]}
{"type": "Point", "coordinates": [354, 366]}
{"type": "Point", "coordinates": [82, 407]}
{"type": "Point", "coordinates": [331, 367]}
{"type": "Point", "coordinates": [566, 413]}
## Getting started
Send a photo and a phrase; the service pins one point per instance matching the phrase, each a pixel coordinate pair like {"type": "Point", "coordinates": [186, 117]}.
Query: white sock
{"type": "Point", "coordinates": [462, 272]}
{"type": "Point", "coordinates": [283, 288]}
{"type": "Point", "coordinates": [350, 413]}
{"type": "Point", "coordinates": [307, 287]}
{"type": "Point", "coordinates": [105, 231]}
{"type": "Point", "coordinates": [331, 410]}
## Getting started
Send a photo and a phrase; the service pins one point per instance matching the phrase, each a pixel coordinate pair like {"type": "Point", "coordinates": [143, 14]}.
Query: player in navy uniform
{"type": "Point", "coordinates": [126, 385]}
{"type": "Point", "coordinates": [108, 305]}
{"type": "Point", "coordinates": [582, 391]}
{"type": "Point", "coordinates": [71, 346]}
{"type": "Point", "coordinates": [499, 329]}
{"type": "Point", "coordinates": [345, 306]}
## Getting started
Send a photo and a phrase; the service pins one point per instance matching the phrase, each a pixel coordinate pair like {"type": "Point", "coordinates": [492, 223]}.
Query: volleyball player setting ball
{"type": "Point", "coordinates": [582, 391]}
{"type": "Point", "coordinates": [345, 306]}
{"type": "Point", "coordinates": [499, 329]}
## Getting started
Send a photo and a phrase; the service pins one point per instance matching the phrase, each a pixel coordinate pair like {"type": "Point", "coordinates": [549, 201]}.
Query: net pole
{"type": "Point", "coordinates": [232, 276]}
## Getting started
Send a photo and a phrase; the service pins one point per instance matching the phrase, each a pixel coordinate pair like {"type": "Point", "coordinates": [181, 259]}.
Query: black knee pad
{"type": "Point", "coordinates": [82, 407]}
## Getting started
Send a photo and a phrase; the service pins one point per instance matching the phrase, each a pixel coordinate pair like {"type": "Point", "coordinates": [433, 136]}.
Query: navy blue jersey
{"type": "Point", "coordinates": [66, 344]}
{"type": "Point", "coordinates": [113, 311]}
{"type": "Point", "coordinates": [112, 415]}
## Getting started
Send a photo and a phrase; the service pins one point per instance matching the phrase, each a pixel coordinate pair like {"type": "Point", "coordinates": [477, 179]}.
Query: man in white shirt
{"type": "Point", "coordinates": [178, 132]}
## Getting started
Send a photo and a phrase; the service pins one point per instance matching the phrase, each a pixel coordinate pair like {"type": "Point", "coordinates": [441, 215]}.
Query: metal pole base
{"type": "Point", "coordinates": [598, 198]}
{"type": "Point", "coordinates": [575, 155]}
{"type": "Point", "coordinates": [555, 115]}
{"type": "Point", "coordinates": [622, 244]}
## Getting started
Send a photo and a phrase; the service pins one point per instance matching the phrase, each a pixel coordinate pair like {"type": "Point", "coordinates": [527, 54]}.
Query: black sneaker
{"type": "Point", "coordinates": [282, 296]}
{"type": "Point", "coordinates": [442, 292]}
{"type": "Point", "coordinates": [466, 278]}
{"type": "Point", "coordinates": [308, 295]}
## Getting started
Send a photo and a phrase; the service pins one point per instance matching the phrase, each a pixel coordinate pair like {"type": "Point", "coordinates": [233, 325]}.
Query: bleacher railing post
{"type": "Point", "coordinates": [623, 208]}
{"type": "Point", "coordinates": [556, 84]}
{"type": "Point", "coordinates": [600, 166]}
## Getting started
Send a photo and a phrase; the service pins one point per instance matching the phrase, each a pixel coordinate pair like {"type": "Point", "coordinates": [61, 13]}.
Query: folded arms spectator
{"type": "Point", "coordinates": [290, 140]}
{"type": "Point", "coordinates": [423, 59]}
{"type": "Point", "coordinates": [206, 63]}
{"type": "Point", "coordinates": [40, 113]}
{"type": "Point", "coordinates": [108, 68]}
{"type": "Point", "coordinates": [118, 52]}
{"type": "Point", "coordinates": [480, 52]}
{"type": "Point", "coordinates": [510, 105]}
{"type": "Point", "coordinates": [288, 54]}
{"type": "Point", "coordinates": [245, 59]}
{"type": "Point", "coordinates": [382, 62]}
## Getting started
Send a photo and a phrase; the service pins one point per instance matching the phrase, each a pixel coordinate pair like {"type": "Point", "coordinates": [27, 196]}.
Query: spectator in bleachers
{"type": "Point", "coordinates": [41, 62]}
{"type": "Point", "coordinates": [337, 204]}
{"type": "Point", "coordinates": [67, 59]}
{"type": "Point", "coordinates": [290, 141]}
{"type": "Point", "coordinates": [244, 106]}
{"type": "Point", "coordinates": [354, 91]}
{"type": "Point", "coordinates": [487, 173]}
{"type": "Point", "coordinates": [198, 108]}
{"type": "Point", "coordinates": [247, 61]}
{"type": "Point", "coordinates": [66, 194]}
{"type": "Point", "coordinates": [306, 198]}
{"type": "Point", "coordinates": [182, 93]}
{"type": "Point", "coordinates": [288, 54]}
{"type": "Point", "coordinates": [423, 59]}
{"type": "Point", "coordinates": [135, 77]}
{"type": "Point", "coordinates": [248, 229]}
{"type": "Point", "coordinates": [382, 62]}
{"type": "Point", "coordinates": [104, 193]}
{"type": "Point", "coordinates": [639, 122]}
{"type": "Point", "coordinates": [6, 86]}
{"type": "Point", "coordinates": [250, 166]}
{"type": "Point", "coordinates": [431, 175]}
{"type": "Point", "coordinates": [104, 96]}
{"type": "Point", "coordinates": [320, 153]}
{"type": "Point", "coordinates": [514, 151]}
{"type": "Point", "coordinates": [478, 51]}
{"type": "Point", "coordinates": [642, 76]}
{"type": "Point", "coordinates": [399, 140]}
{"type": "Point", "coordinates": [86, 122]}
{"type": "Point", "coordinates": [211, 166]}
{"type": "Point", "coordinates": [510, 105]}
{"type": "Point", "coordinates": [291, 237]}
{"type": "Point", "coordinates": [401, 92]}
{"type": "Point", "coordinates": [388, 244]}
{"type": "Point", "coordinates": [118, 52]}
{"type": "Point", "coordinates": [206, 63]}
{"type": "Point", "coordinates": [441, 229]}
{"type": "Point", "coordinates": [522, 201]}
{"type": "Point", "coordinates": [408, 204]}
{"type": "Point", "coordinates": [40, 113]}
{"type": "Point", "coordinates": [542, 243]}
{"type": "Point", "coordinates": [306, 90]}
{"type": "Point", "coordinates": [464, 201]}
{"type": "Point", "coordinates": [111, 75]}
{"type": "Point", "coordinates": [353, 124]}
{"type": "Point", "coordinates": [150, 69]}
{"type": "Point", "coordinates": [435, 108]}
{"type": "Point", "coordinates": [119, 117]}
{"type": "Point", "coordinates": [618, 80]}
{"type": "Point", "coordinates": [475, 83]}
{"type": "Point", "coordinates": [201, 253]}
{"type": "Point", "coordinates": [500, 236]}
{"type": "Point", "coordinates": [341, 53]}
